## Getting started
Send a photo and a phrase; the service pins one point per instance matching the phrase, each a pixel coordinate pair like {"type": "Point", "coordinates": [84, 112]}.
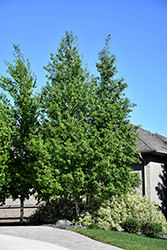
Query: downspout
{"type": "Point", "coordinates": [143, 176]}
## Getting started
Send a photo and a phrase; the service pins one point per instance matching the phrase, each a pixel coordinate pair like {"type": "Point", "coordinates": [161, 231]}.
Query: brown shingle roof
{"type": "Point", "coordinates": [150, 142]}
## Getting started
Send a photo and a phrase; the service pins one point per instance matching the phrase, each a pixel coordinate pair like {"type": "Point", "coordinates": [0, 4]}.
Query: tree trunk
{"type": "Point", "coordinates": [77, 208]}
{"type": "Point", "coordinates": [21, 199]}
{"type": "Point", "coordinates": [21, 211]}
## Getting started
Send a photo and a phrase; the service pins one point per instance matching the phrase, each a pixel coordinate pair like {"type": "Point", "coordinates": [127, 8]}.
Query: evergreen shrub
{"type": "Point", "coordinates": [94, 226]}
{"type": "Point", "coordinates": [131, 225]}
{"type": "Point", "coordinates": [52, 211]}
{"type": "Point", "coordinates": [155, 230]}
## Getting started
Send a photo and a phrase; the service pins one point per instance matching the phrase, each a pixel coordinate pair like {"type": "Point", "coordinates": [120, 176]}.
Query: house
{"type": "Point", "coordinates": [152, 170]}
{"type": "Point", "coordinates": [153, 167]}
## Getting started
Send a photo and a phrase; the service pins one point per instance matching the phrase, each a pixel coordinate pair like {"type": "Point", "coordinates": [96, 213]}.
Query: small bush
{"type": "Point", "coordinates": [94, 226]}
{"type": "Point", "coordinates": [85, 219]}
{"type": "Point", "coordinates": [52, 211]}
{"type": "Point", "coordinates": [155, 230]}
{"type": "Point", "coordinates": [132, 225]}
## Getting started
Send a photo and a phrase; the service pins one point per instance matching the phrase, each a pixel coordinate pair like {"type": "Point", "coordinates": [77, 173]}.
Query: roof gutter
{"type": "Point", "coordinates": [155, 152]}
{"type": "Point", "coordinates": [143, 175]}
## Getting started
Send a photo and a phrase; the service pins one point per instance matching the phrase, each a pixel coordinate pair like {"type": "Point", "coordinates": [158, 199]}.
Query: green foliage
{"type": "Point", "coordinates": [131, 225]}
{"type": "Point", "coordinates": [94, 226]}
{"type": "Point", "coordinates": [85, 219]}
{"type": "Point", "coordinates": [113, 213]}
{"type": "Point", "coordinates": [64, 102]}
{"type": "Point", "coordinates": [155, 230]}
{"type": "Point", "coordinates": [135, 206]}
{"type": "Point", "coordinates": [5, 147]}
{"type": "Point", "coordinates": [6, 131]}
{"type": "Point", "coordinates": [91, 143]}
{"type": "Point", "coordinates": [84, 145]}
{"type": "Point", "coordinates": [52, 211]}
{"type": "Point", "coordinates": [21, 117]}
{"type": "Point", "coordinates": [43, 148]}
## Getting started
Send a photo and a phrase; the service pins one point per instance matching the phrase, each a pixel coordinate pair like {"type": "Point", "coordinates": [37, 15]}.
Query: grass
{"type": "Point", "coordinates": [124, 240]}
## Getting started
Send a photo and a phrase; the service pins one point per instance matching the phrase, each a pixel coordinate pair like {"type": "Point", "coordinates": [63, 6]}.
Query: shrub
{"type": "Point", "coordinates": [113, 213]}
{"type": "Point", "coordinates": [131, 225]}
{"type": "Point", "coordinates": [118, 209]}
{"type": "Point", "coordinates": [52, 211]}
{"type": "Point", "coordinates": [154, 230]}
{"type": "Point", "coordinates": [110, 217]}
{"type": "Point", "coordinates": [94, 226]}
{"type": "Point", "coordinates": [85, 219]}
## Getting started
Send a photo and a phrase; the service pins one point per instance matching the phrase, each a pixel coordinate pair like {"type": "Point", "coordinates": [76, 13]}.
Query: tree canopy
{"type": "Point", "coordinates": [74, 139]}
{"type": "Point", "coordinates": [5, 147]}
{"type": "Point", "coordinates": [90, 141]}
{"type": "Point", "coordinates": [21, 117]}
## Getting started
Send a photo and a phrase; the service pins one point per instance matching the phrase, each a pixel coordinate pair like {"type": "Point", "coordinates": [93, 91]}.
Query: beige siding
{"type": "Point", "coordinates": [155, 173]}
{"type": "Point", "coordinates": [138, 169]}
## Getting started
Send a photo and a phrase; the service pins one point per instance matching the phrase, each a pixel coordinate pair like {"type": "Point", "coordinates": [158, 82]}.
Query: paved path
{"type": "Point", "coordinates": [8, 242]}
{"type": "Point", "coordinates": [46, 238]}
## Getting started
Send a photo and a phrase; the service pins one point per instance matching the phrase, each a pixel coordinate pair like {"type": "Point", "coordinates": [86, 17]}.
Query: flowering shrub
{"type": "Point", "coordinates": [113, 213]}
{"type": "Point", "coordinates": [85, 219]}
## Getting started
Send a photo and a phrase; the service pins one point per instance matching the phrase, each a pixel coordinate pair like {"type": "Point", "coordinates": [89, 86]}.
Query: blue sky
{"type": "Point", "coordinates": [138, 31]}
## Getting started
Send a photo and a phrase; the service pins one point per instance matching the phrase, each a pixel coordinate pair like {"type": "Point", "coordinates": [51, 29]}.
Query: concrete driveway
{"type": "Point", "coordinates": [46, 238]}
{"type": "Point", "coordinates": [8, 242]}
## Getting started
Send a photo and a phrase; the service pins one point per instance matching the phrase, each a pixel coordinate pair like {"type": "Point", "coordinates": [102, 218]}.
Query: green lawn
{"type": "Point", "coordinates": [124, 240]}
